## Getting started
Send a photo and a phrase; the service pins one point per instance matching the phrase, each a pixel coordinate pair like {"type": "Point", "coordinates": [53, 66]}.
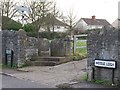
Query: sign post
{"type": "Point", "coordinates": [9, 57]}
{"type": "Point", "coordinates": [22, 9]}
{"type": "Point", "coordinates": [111, 64]}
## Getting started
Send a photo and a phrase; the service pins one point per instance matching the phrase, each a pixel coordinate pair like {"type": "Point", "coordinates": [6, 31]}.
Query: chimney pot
{"type": "Point", "coordinates": [93, 17]}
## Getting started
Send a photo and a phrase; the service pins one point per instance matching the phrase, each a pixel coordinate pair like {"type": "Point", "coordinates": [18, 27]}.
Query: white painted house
{"type": "Point", "coordinates": [116, 23]}
{"type": "Point", "coordinates": [55, 23]}
{"type": "Point", "coordinates": [91, 23]}
{"type": "Point", "coordinates": [59, 26]}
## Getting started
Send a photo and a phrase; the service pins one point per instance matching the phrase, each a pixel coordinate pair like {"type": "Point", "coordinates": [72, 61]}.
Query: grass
{"type": "Point", "coordinates": [81, 44]}
{"type": "Point", "coordinates": [103, 82]}
{"type": "Point", "coordinates": [84, 77]}
{"type": "Point", "coordinates": [9, 66]}
{"type": "Point", "coordinates": [80, 53]}
{"type": "Point", "coordinates": [83, 51]}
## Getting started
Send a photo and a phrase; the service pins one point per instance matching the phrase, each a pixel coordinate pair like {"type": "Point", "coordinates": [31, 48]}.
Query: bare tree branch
{"type": "Point", "coordinates": [8, 7]}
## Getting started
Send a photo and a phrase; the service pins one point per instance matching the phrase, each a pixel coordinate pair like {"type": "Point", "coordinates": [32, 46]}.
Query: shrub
{"type": "Point", "coordinates": [29, 28]}
{"type": "Point", "coordinates": [78, 56]}
{"type": "Point", "coordinates": [51, 35]}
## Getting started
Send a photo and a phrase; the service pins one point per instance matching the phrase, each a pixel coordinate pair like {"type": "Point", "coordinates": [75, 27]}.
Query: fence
{"type": "Point", "coordinates": [79, 42]}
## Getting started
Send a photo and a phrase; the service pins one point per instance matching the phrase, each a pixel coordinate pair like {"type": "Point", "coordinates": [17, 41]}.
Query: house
{"type": "Point", "coordinates": [116, 24]}
{"type": "Point", "coordinates": [91, 23]}
{"type": "Point", "coordinates": [54, 25]}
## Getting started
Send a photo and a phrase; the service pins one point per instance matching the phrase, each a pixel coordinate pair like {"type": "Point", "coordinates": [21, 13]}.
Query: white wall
{"type": "Point", "coordinates": [94, 26]}
{"type": "Point", "coordinates": [81, 25]}
{"type": "Point", "coordinates": [58, 29]}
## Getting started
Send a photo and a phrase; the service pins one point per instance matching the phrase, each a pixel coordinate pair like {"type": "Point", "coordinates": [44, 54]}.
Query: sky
{"type": "Point", "coordinates": [102, 9]}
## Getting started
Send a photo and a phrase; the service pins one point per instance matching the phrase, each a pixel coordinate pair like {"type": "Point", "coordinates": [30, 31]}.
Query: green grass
{"type": "Point", "coordinates": [84, 77]}
{"type": "Point", "coordinates": [81, 44]}
{"type": "Point", "coordinates": [8, 66]}
{"type": "Point", "coordinates": [103, 82]}
{"type": "Point", "coordinates": [83, 51]}
{"type": "Point", "coordinates": [80, 53]}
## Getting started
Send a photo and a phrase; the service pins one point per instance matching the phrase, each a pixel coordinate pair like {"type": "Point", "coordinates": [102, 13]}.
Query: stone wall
{"type": "Point", "coordinates": [43, 47]}
{"type": "Point", "coordinates": [9, 41]}
{"type": "Point", "coordinates": [24, 47]}
{"type": "Point", "coordinates": [104, 45]}
{"type": "Point", "coordinates": [60, 47]}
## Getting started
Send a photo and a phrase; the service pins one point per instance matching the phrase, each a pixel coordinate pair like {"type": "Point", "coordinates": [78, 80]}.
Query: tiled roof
{"type": "Point", "coordinates": [51, 20]}
{"type": "Point", "coordinates": [90, 21]}
{"type": "Point", "coordinates": [58, 22]}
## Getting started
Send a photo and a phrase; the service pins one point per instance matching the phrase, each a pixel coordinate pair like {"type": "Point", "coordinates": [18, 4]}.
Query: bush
{"type": "Point", "coordinates": [51, 35]}
{"type": "Point", "coordinates": [9, 24]}
{"type": "Point", "coordinates": [32, 34]}
{"type": "Point", "coordinates": [78, 56]}
{"type": "Point", "coordinates": [29, 28]}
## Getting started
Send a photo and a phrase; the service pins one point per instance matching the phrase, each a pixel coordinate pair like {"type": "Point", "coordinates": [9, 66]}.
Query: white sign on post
{"type": "Point", "coordinates": [106, 64]}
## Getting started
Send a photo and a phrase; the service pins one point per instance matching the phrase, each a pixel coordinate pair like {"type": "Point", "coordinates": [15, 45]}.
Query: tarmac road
{"type": "Point", "coordinates": [12, 82]}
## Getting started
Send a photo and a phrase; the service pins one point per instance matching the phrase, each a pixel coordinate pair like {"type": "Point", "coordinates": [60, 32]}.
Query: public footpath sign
{"type": "Point", "coordinates": [105, 63]}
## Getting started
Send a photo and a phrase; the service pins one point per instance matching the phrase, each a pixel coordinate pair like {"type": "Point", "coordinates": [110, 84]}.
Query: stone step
{"type": "Point", "coordinates": [43, 63]}
{"type": "Point", "coordinates": [47, 58]}
{"type": "Point", "coordinates": [48, 61]}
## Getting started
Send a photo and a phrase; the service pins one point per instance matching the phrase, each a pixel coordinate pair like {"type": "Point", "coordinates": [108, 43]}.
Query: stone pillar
{"type": "Point", "coordinates": [104, 45]}
{"type": "Point", "coordinates": [21, 47]}
{"type": "Point", "coordinates": [58, 47]}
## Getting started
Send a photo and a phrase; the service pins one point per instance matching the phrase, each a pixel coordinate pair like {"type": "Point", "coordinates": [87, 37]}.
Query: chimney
{"type": "Point", "coordinates": [93, 17]}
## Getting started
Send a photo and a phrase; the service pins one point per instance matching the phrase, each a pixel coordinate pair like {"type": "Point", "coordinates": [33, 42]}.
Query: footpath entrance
{"type": "Point", "coordinates": [79, 42]}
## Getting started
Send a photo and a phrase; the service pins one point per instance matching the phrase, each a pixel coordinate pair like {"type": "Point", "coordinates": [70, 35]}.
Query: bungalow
{"type": "Point", "coordinates": [91, 23]}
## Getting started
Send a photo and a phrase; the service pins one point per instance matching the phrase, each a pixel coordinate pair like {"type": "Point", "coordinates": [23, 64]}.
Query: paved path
{"type": "Point", "coordinates": [52, 75]}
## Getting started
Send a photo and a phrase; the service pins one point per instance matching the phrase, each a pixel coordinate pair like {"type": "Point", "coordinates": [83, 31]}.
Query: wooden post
{"type": "Point", "coordinates": [74, 44]}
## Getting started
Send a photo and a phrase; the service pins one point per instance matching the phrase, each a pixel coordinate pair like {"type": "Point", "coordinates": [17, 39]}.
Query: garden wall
{"type": "Point", "coordinates": [24, 47]}
{"type": "Point", "coordinates": [103, 45]}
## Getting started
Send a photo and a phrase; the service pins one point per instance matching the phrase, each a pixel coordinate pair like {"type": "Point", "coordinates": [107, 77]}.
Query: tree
{"type": "Point", "coordinates": [42, 13]}
{"type": "Point", "coordinates": [71, 20]}
{"type": "Point", "coordinates": [39, 11]}
{"type": "Point", "coordinates": [8, 8]}
{"type": "Point", "coordinates": [55, 13]}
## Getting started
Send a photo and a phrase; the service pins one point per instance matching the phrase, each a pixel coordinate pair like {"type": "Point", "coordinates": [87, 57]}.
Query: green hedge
{"type": "Point", "coordinates": [51, 35]}
{"type": "Point", "coordinates": [9, 24]}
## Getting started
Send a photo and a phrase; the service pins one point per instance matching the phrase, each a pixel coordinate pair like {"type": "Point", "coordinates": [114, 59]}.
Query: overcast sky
{"type": "Point", "coordinates": [104, 9]}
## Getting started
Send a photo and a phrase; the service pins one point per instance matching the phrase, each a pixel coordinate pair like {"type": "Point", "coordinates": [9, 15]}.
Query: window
{"type": "Point", "coordinates": [58, 27]}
